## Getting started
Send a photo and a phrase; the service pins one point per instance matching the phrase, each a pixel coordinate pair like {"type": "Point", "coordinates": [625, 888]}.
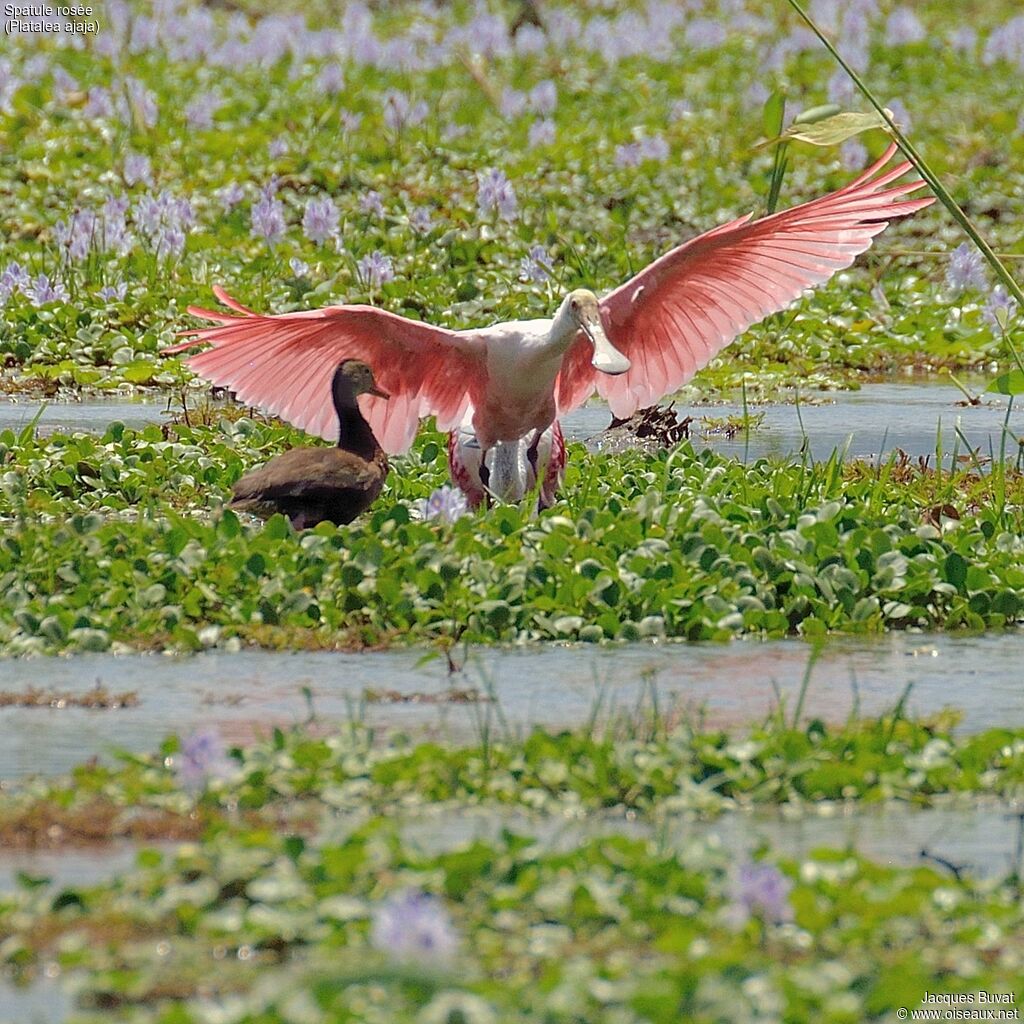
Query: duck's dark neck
{"type": "Point", "coordinates": [354, 433]}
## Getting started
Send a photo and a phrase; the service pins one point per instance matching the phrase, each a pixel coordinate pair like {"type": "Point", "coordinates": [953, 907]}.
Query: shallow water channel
{"type": "Point", "coordinates": [875, 420]}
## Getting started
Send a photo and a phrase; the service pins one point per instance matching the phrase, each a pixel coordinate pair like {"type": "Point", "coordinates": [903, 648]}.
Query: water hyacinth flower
{"type": "Point", "coordinates": [628, 155]}
{"type": "Point", "coordinates": [99, 103]}
{"type": "Point", "coordinates": [331, 80]}
{"type": "Point", "coordinates": [201, 760]}
{"type": "Point", "coordinates": [376, 269]}
{"type": "Point", "coordinates": [114, 235]}
{"type": "Point", "coordinates": [853, 154]}
{"type": "Point", "coordinates": [512, 103]}
{"type": "Point", "coordinates": [445, 505]}
{"type": "Point", "coordinates": [41, 291]}
{"type": "Point", "coordinates": [371, 203]}
{"type": "Point", "coordinates": [163, 221]}
{"type": "Point", "coordinates": [113, 292]}
{"type": "Point", "coordinates": [76, 235]}
{"type": "Point", "coordinates": [542, 133]}
{"type": "Point", "coordinates": [199, 113]}
{"type": "Point", "coordinates": [903, 27]}
{"type": "Point", "coordinates": [421, 220]}
{"type": "Point", "coordinates": [414, 926]}
{"type": "Point", "coordinates": [320, 219]}
{"type": "Point", "coordinates": [278, 147]}
{"type": "Point", "coordinates": [230, 196]}
{"type": "Point", "coordinates": [705, 34]}
{"type": "Point", "coordinates": [760, 890]}
{"type": "Point", "coordinates": [1006, 43]}
{"type": "Point", "coordinates": [1000, 308]}
{"type": "Point", "coordinates": [142, 102]}
{"type": "Point", "coordinates": [137, 169]}
{"type": "Point", "coordinates": [963, 41]}
{"type": "Point", "coordinates": [349, 121]}
{"type": "Point", "coordinates": [268, 216]}
{"type": "Point", "coordinates": [536, 265]}
{"type": "Point", "coordinates": [400, 112]}
{"type": "Point", "coordinates": [966, 270]}
{"type": "Point", "coordinates": [495, 194]}
{"type": "Point", "coordinates": [14, 279]}
{"type": "Point", "coordinates": [900, 114]}
{"type": "Point", "coordinates": [543, 97]}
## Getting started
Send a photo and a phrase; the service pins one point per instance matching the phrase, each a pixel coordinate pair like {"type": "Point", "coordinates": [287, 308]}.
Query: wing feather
{"type": "Point", "coordinates": [675, 315]}
{"type": "Point", "coordinates": [284, 363]}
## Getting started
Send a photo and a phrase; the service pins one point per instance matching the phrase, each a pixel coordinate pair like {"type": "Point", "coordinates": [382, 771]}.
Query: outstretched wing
{"type": "Point", "coordinates": [676, 314]}
{"type": "Point", "coordinates": [284, 364]}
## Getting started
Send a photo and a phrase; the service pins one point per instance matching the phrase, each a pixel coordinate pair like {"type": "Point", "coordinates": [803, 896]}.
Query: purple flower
{"type": "Point", "coordinates": [421, 220]}
{"type": "Point", "coordinates": [40, 292]}
{"type": "Point", "coordinates": [1000, 308]}
{"type": "Point", "coordinates": [201, 759]}
{"type": "Point", "coordinates": [77, 234]}
{"type": "Point", "coordinates": [320, 221]}
{"type": "Point", "coordinates": [350, 122]}
{"type": "Point", "coordinates": [112, 292]}
{"type": "Point", "coordinates": [628, 155]}
{"type": "Point", "coordinates": [99, 103]}
{"type": "Point", "coordinates": [853, 155]}
{"type": "Point", "coordinates": [413, 925]}
{"type": "Point", "coordinates": [376, 269]}
{"type": "Point", "coordinates": [10, 83]}
{"type": "Point", "coordinates": [114, 234]}
{"type": "Point", "coordinates": [278, 147]}
{"type": "Point", "coordinates": [163, 221]}
{"type": "Point", "coordinates": [268, 217]}
{"type": "Point", "coordinates": [298, 267]}
{"type": "Point", "coordinates": [371, 203]}
{"type": "Point", "coordinates": [653, 147]}
{"type": "Point", "coordinates": [536, 265]}
{"type": "Point", "coordinates": [903, 27]}
{"type": "Point", "coordinates": [63, 84]}
{"type": "Point", "coordinates": [900, 114]}
{"type": "Point", "coordinates": [399, 112]}
{"type": "Point", "coordinates": [542, 133]}
{"type": "Point", "coordinates": [760, 890]}
{"type": "Point", "coordinates": [963, 41]}
{"type": "Point", "coordinates": [199, 113]}
{"type": "Point", "coordinates": [331, 80]}
{"type": "Point", "coordinates": [680, 109]}
{"type": "Point", "coordinates": [705, 34]}
{"type": "Point", "coordinates": [14, 279]}
{"type": "Point", "coordinates": [142, 102]}
{"type": "Point", "coordinates": [512, 103]}
{"type": "Point", "coordinates": [496, 194]}
{"type": "Point", "coordinates": [543, 97]}
{"type": "Point", "coordinates": [1006, 43]}
{"type": "Point", "coordinates": [137, 169]}
{"type": "Point", "coordinates": [966, 270]}
{"type": "Point", "coordinates": [446, 504]}
{"type": "Point", "coordinates": [825, 13]}
{"type": "Point", "coordinates": [230, 196]}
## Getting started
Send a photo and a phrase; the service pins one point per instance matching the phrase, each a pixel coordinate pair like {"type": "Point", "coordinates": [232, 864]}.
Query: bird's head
{"type": "Point", "coordinates": [353, 377]}
{"type": "Point", "coordinates": [583, 309]}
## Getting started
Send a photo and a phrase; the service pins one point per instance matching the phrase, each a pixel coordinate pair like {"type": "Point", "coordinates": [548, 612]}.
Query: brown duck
{"type": "Point", "coordinates": [314, 485]}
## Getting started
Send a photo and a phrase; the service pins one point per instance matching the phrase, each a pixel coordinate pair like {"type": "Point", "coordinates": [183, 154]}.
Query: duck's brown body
{"type": "Point", "coordinates": [313, 485]}
{"type": "Point", "coordinates": [316, 485]}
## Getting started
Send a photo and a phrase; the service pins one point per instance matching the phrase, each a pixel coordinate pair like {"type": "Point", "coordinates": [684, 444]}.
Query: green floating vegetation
{"type": "Point", "coordinates": [677, 544]}
{"type": "Point", "coordinates": [304, 897]}
{"type": "Point", "coordinates": [645, 766]}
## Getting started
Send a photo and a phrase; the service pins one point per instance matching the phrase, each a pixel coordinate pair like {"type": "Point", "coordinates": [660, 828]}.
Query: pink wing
{"type": "Point", "coordinates": [285, 363]}
{"type": "Point", "coordinates": [675, 315]}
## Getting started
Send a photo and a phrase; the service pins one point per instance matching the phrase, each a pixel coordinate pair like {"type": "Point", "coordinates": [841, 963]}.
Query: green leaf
{"type": "Point", "coordinates": [832, 130]}
{"type": "Point", "coordinates": [1011, 383]}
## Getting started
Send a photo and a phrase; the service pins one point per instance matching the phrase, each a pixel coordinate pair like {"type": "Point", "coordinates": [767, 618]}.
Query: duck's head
{"type": "Point", "coordinates": [584, 311]}
{"type": "Point", "coordinates": [353, 377]}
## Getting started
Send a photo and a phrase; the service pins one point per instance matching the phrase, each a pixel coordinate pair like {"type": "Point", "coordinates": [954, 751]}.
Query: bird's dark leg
{"type": "Point", "coordinates": [531, 452]}
{"type": "Point", "coordinates": [485, 477]}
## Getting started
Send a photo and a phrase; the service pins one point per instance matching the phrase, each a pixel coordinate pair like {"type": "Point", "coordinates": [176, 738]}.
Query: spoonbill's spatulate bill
{"type": "Point", "coordinates": [315, 485]}
{"type": "Point", "coordinates": [637, 344]}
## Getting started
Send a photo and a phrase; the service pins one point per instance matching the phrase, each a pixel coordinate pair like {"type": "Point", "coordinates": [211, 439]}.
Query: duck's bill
{"type": "Point", "coordinates": [379, 392]}
{"type": "Point", "coordinates": [607, 358]}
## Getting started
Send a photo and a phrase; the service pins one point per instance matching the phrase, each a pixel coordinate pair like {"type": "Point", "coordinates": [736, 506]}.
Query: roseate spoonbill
{"type": "Point", "coordinates": [313, 485]}
{"type": "Point", "coordinates": [510, 474]}
{"type": "Point", "coordinates": [640, 342]}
